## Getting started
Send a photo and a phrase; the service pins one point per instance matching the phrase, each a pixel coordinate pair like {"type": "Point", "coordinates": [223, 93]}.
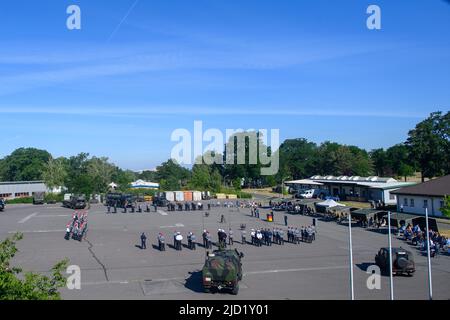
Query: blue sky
{"type": "Point", "coordinates": [138, 70]}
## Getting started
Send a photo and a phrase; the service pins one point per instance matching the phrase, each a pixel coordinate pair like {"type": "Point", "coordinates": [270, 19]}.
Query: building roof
{"type": "Point", "coordinates": [437, 188]}
{"type": "Point", "coordinates": [19, 182]}
{"type": "Point", "coordinates": [304, 181]}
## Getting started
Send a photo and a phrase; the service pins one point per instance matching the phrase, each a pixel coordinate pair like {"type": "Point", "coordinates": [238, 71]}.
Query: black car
{"type": "Point", "coordinates": [2, 204]}
{"type": "Point", "coordinates": [403, 261]}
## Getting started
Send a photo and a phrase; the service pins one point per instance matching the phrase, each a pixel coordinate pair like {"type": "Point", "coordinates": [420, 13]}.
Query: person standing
{"type": "Point", "coordinates": [285, 220]}
{"type": "Point", "coordinates": [161, 242]}
{"type": "Point", "coordinates": [143, 241]}
{"type": "Point", "coordinates": [244, 237]}
{"type": "Point", "coordinates": [230, 237]}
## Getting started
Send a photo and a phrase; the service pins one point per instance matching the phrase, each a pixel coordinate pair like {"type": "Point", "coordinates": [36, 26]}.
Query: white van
{"type": "Point", "coordinates": [312, 193]}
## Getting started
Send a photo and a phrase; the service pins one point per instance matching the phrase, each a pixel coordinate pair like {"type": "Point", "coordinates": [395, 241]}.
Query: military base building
{"type": "Point", "coordinates": [21, 189]}
{"type": "Point", "coordinates": [354, 188]}
{"type": "Point", "coordinates": [429, 194]}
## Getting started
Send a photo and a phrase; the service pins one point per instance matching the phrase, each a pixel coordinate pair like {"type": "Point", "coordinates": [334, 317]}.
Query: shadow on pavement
{"type": "Point", "coordinates": [194, 282]}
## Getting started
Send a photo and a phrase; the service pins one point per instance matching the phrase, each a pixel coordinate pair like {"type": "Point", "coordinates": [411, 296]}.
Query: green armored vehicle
{"type": "Point", "coordinates": [222, 270]}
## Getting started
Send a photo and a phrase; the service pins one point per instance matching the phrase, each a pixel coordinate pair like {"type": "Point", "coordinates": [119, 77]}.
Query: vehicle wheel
{"type": "Point", "coordinates": [235, 290]}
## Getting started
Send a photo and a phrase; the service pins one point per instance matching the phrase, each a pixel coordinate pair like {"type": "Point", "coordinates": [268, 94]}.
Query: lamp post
{"type": "Point", "coordinates": [391, 280]}
{"type": "Point", "coordinates": [430, 284]}
{"type": "Point", "coordinates": [350, 248]}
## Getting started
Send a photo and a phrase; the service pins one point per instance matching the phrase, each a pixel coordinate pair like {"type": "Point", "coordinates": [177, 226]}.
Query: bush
{"type": "Point", "coordinates": [20, 200]}
{"type": "Point", "coordinates": [53, 197]}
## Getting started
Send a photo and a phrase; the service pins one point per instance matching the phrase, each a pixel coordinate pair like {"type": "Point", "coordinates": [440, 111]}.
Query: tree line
{"type": "Point", "coordinates": [426, 150]}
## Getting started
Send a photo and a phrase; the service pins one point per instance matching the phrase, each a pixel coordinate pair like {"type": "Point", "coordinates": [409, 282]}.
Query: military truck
{"type": "Point", "coordinates": [120, 200]}
{"type": "Point", "coordinates": [402, 261]}
{"type": "Point", "coordinates": [38, 197]}
{"type": "Point", "coordinates": [2, 204]}
{"type": "Point", "coordinates": [75, 202]}
{"type": "Point", "coordinates": [222, 270]}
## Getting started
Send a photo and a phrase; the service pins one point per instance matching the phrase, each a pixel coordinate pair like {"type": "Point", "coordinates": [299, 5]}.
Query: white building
{"type": "Point", "coordinates": [430, 194]}
{"type": "Point", "coordinates": [141, 184]}
{"type": "Point", "coordinates": [354, 188]}
{"type": "Point", "coordinates": [21, 189]}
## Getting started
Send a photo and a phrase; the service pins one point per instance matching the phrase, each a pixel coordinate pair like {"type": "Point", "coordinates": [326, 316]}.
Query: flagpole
{"type": "Point", "coordinates": [391, 279]}
{"type": "Point", "coordinates": [350, 247]}
{"type": "Point", "coordinates": [430, 284]}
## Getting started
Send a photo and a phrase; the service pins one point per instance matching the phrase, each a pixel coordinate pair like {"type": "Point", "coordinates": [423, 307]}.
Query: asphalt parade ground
{"type": "Point", "coordinates": [114, 267]}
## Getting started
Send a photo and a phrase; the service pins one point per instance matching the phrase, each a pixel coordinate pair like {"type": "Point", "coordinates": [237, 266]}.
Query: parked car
{"type": "Point", "coordinates": [403, 261]}
{"type": "Point", "coordinates": [312, 193]}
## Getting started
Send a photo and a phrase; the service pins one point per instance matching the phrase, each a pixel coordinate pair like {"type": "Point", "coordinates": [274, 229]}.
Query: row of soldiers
{"type": "Point", "coordinates": [305, 234]}
{"type": "Point", "coordinates": [77, 226]}
{"type": "Point", "coordinates": [258, 237]}
{"type": "Point", "coordinates": [188, 206]}
{"type": "Point", "coordinates": [113, 208]}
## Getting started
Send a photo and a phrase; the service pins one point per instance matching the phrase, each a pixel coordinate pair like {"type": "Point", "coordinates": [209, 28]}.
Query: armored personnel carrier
{"type": "Point", "coordinates": [222, 270]}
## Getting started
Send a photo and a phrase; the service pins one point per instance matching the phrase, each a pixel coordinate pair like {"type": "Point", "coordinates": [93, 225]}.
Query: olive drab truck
{"type": "Point", "coordinates": [222, 270]}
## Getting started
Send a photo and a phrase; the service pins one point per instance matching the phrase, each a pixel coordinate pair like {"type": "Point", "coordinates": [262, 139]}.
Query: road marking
{"type": "Point", "coordinates": [184, 278]}
{"type": "Point", "coordinates": [163, 213]}
{"type": "Point", "coordinates": [295, 270]}
{"type": "Point", "coordinates": [51, 216]}
{"type": "Point", "coordinates": [37, 231]}
{"type": "Point", "coordinates": [28, 217]}
{"type": "Point", "coordinates": [177, 225]}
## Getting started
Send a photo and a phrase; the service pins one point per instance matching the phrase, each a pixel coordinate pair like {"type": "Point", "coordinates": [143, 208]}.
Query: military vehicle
{"type": "Point", "coordinates": [75, 202]}
{"type": "Point", "coordinates": [120, 200]}
{"type": "Point", "coordinates": [403, 261]}
{"type": "Point", "coordinates": [38, 197]}
{"type": "Point", "coordinates": [2, 204]}
{"type": "Point", "coordinates": [160, 199]}
{"type": "Point", "coordinates": [222, 270]}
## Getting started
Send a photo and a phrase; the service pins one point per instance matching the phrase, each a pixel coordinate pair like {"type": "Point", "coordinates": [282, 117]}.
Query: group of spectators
{"type": "Point", "coordinates": [419, 238]}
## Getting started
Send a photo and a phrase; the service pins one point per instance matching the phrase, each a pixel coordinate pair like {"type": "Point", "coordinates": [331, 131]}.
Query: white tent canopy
{"type": "Point", "coordinates": [330, 203]}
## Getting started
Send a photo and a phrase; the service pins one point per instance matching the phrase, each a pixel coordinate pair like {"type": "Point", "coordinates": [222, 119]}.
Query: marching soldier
{"type": "Point", "coordinates": [161, 242]}
{"type": "Point", "coordinates": [143, 241]}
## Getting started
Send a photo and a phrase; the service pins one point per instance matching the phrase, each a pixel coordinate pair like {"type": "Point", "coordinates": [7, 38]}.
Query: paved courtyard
{"type": "Point", "coordinates": [114, 267]}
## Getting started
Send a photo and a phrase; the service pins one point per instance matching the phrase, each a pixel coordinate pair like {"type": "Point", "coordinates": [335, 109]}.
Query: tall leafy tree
{"type": "Point", "coordinates": [429, 145]}
{"type": "Point", "coordinates": [24, 164]}
{"type": "Point", "coordinates": [54, 173]}
{"type": "Point", "coordinates": [172, 175]}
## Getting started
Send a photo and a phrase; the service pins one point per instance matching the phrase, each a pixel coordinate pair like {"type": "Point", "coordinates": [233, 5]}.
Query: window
{"type": "Point", "coordinates": [441, 204]}
{"type": "Point", "coordinates": [391, 196]}
{"type": "Point", "coordinates": [425, 203]}
{"type": "Point", "coordinates": [405, 202]}
{"type": "Point", "coordinates": [22, 194]}
{"type": "Point", "coordinates": [411, 202]}
{"type": "Point", "coordinates": [5, 195]}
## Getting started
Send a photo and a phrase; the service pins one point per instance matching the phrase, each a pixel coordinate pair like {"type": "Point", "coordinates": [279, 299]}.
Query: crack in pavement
{"type": "Point", "coordinates": [105, 271]}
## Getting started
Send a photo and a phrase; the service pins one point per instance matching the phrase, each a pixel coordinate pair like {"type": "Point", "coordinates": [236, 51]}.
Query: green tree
{"type": "Point", "coordinates": [172, 176]}
{"type": "Point", "coordinates": [446, 208]}
{"type": "Point", "coordinates": [399, 161]}
{"type": "Point", "coordinates": [24, 164]}
{"type": "Point", "coordinates": [29, 286]}
{"type": "Point", "coordinates": [429, 145]}
{"type": "Point", "coordinates": [296, 159]}
{"type": "Point", "coordinates": [380, 162]}
{"type": "Point", "coordinates": [100, 171]}
{"type": "Point", "coordinates": [54, 173]}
